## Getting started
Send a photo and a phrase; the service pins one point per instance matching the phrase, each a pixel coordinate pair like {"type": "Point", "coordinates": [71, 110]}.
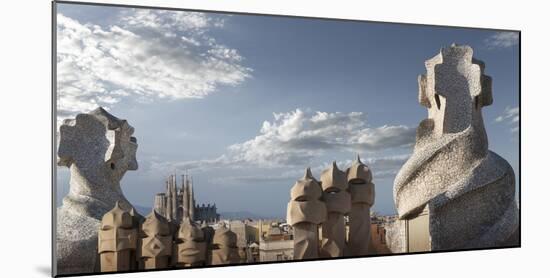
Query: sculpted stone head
{"type": "Point", "coordinates": [333, 179]}
{"type": "Point", "coordinates": [99, 147]}
{"type": "Point", "coordinates": [225, 238]}
{"type": "Point", "coordinates": [361, 188]}
{"type": "Point", "coordinates": [306, 189]}
{"type": "Point", "coordinates": [305, 204]}
{"type": "Point", "coordinates": [358, 173]}
{"type": "Point", "coordinates": [117, 231]}
{"type": "Point", "coordinates": [335, 186]}
{"type": "Point", "coordinates": [158, 239]}
{"type": "Point", "coordinates": [192, 245]}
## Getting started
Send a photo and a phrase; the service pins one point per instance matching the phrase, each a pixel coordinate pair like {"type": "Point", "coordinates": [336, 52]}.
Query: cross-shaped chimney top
{"type": "Point", "coordinates": [454, 89]}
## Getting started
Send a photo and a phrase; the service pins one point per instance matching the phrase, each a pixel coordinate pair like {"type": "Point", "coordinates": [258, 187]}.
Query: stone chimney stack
{"type": "Point", "coordinates": [98, 149]}
{"type": "Point", "coordinates": [156, 249]}
{"type": "Point", "coordinates": [305, 212]}
{"type": "Point", "coordinates": [191, 245]}
{"type": "Point", "coordinates": [451, 172]}
{"type": "Point", "coordinates": [117, 240]}
{"type": "Point", "coordinates": [361, 189]}
{"type": "Point", "coordinates": [338, 202]}
{"type": "Point", "coordinates": [224, 247]}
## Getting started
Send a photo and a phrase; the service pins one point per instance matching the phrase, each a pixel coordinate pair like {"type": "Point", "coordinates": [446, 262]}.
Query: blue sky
{"type": "Point", "coordinates": [244, 103]}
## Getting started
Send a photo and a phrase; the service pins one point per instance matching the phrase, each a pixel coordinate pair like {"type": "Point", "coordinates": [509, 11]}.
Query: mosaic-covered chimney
{"type": "Point", "coordinates": [98, 148]}
{"type": "Point", "coordinates": [467, 190]}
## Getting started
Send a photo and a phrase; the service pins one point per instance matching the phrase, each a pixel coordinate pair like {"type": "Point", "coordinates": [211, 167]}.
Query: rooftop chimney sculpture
{"type": "Point", "coordinates": [156, 250]}
{"type": "Point", "coordinates": [361, 189]}
{"type": "Point", "coordinates": [313, 203]}
{"type": "Point", "coordinates": [208, 239]}
{"type": "Point", "coordinates": [305, 212]}
{"type": "Point", "coordinates": [224, 249]}
{"type": "Point", "coordinates": [98, 148]}
{"type": "Point", "coordinates": [117, 240]}
{"type": "Point", "coordinates": [137, 221]}
{"type": "Point", "coordinates": [338, 203]}
{"type": "Point", "coordinates": [191, 249]}
{"type": "Point", "coordinates": [468, 190]}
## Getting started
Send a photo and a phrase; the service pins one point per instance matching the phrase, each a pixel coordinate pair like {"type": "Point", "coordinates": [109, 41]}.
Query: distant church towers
{"type": "Point", "coordinates": [176, 204]}
{"type": "Point", "coordinates": [171, 199]}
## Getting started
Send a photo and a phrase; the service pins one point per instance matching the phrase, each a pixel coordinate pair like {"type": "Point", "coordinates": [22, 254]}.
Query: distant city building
{"type": "Point", "coordinates": [246, 230]}
{"type": "Point", "coordinates": [207, 213]}
{"type": "Point", "coordinates": [176, 203]}
{"type": "Point", "coordinates": [253, 253]}
{"type": "Point", "coordinates": [247, 238]}
{"type": "Point", "coordinates": [378, 239]}
{"type": "Point", "coordinates": [277, 242]}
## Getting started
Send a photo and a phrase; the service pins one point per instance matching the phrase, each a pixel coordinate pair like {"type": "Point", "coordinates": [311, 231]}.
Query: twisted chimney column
{"type": "Point", "coordinates": [468, 190]}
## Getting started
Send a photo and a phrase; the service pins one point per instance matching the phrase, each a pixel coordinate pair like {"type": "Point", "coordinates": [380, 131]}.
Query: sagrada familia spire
{"type": "Point", "coordinates": [179, 203]}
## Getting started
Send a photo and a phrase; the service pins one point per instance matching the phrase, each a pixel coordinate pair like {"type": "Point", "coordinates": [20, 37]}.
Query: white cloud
{"type": "Point", "coordinates": [147, 55]}
{"type": "Point", "coordinates": [502, 40]}
{"type": "Point", "coordinates": [250, 179]}
{"type": "Point", "coordinates": [298, 138]}
{"type": "Point", "coordinates": [381, 167]}
{"type": "Point", "coordinates": [168, 21]}
{"type": "Point", "coordinates": [386, 167]}
{"type": "Point", "coordinates": [198, 165]}
{"type": "Point", "coordinates": [510, 117]}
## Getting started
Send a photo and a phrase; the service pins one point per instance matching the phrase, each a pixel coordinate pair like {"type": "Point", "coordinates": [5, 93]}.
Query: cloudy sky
{"type": "Point", "coordinates": [244, 103]}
